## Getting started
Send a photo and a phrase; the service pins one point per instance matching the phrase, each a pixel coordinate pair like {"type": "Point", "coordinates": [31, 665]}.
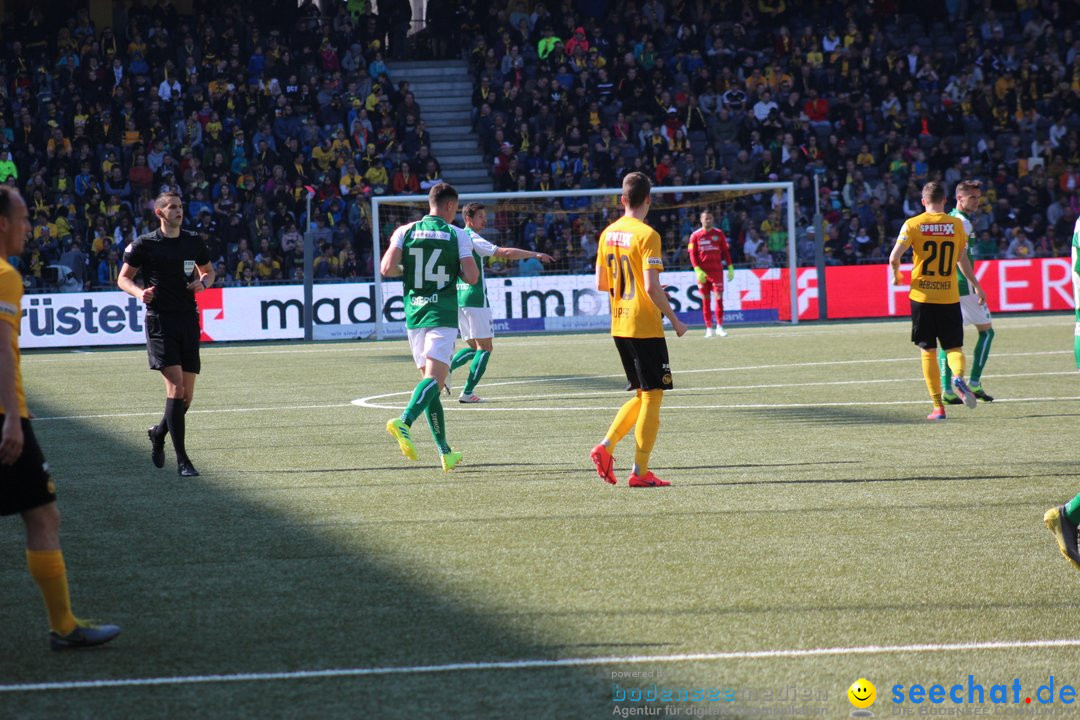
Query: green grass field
{"type": "Point", "coordinates": [812, 507]}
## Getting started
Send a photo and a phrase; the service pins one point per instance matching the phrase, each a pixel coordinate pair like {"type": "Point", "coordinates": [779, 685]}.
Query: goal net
{"type": "Point", "coordinates": [758, 219]}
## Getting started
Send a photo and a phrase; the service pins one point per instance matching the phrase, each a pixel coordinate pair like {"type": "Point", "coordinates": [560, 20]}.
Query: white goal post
{"type": "Point", "coordinates": [389, 211]}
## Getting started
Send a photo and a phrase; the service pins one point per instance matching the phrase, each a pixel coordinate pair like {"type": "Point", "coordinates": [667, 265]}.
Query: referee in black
{"type": "Point", "coordinates": [175, 265]}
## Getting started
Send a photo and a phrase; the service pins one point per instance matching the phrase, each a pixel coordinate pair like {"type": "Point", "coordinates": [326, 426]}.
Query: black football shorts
{"type": "Point", "coordinates": [173, 339]}
{"type": "Point", "coordinates": [934, 322]}
{"type": "Point", "coordinates": [26, 484]}
{"type": "Point", "coordinates": [645, 361]}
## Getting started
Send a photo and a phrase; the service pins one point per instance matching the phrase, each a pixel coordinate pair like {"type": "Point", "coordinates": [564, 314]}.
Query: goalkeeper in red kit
{"type": "Point", "coordinates": [709, 254]}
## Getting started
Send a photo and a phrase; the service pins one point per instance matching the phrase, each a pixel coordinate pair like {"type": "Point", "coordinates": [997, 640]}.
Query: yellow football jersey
{"type": "Point", "coordinates": [937, 241]}
{"type": "Point", "coordinates": [11, 292]}
{"type": "Point", "coordinates": [629, 248]}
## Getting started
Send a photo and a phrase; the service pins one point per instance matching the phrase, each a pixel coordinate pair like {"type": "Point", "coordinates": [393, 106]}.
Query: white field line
{"type": "Point", "coordinates": [370, 401]}
{"type": "Point", "coordinates": [66, 355]}
{"type": "Point", "coordinates": [361, 402]}
{"type": "Point", "coordinates": [278, 408]}
{"type": "Point", "coordinates": [367, 402]}
{"type": "Point", "coordinates": [729, 406]}
{"type": "Point", "coordinates": [538, 664]}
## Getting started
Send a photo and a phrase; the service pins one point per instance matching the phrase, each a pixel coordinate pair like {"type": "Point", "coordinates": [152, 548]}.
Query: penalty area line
{"type": "Point", "coordinates": [537, 664]}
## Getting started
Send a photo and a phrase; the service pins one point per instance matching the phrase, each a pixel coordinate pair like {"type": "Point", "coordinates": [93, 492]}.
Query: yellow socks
{"type": "Point", "coordinates": [955, 358]}
{"type": "Point", "coordinates": [624, 421]}
{"type": "Point", "coordinates": [932, 377]}
{"type": "Point", "coordinates": [648, 424]}
{"type": "Point", "coordinates": [47, 569]}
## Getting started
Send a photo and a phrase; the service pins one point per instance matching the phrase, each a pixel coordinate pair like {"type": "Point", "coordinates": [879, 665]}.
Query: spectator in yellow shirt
{"type": "Point", "coordinates": [376, 177]}
{"type": "Point", "coordinates": [865, 157]}
{"type": "Point", "coordinates": [323, 155]}
{"type": "Point", "coordinates": [352, 181]}
{"type": "Point", "coordinates": [266, 266]}
{"type": "Point", "coordinates": [58, 145]}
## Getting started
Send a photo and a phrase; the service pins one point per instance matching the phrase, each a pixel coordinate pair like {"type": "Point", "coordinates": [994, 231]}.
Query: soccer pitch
{"type": "Point", "coordinates": [312, 570]}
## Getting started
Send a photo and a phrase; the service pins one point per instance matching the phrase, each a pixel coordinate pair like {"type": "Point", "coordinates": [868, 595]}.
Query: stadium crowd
{"type": "Point", "coordinates": [239, 106]}
{"type": "Point", "coordinates": [872, 100]}
{"type": "Point", "coordinates": [243, 106]}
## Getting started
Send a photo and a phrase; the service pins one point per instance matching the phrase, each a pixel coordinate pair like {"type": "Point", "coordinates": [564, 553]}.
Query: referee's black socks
{"type": "Point", "coordinates": [162, 428]}
{"type": "Point", "coordinates": [174, 419]}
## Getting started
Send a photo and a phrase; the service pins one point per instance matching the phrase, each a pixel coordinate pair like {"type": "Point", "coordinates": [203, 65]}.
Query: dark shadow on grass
{"type": "Point", "coordinates": [830, 415]}
{"type": "Point", "coordinates": [206, 581]}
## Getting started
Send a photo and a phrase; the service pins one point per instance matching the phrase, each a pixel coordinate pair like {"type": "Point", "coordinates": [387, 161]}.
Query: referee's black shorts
{"type": "Point", "coordinates": [26, 484]}
{"type": "Point", "coordinates": [173, 339]}
{"type": "Point", "coordinates": [934, 322]}
{"type": "Point", "coordinates": [645, 361]}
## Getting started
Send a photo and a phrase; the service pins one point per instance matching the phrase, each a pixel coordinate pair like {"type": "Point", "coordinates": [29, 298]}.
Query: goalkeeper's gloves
{"type": "Point", "coordinates": [730, 273]}
{"type": "Point", "coordinates": [702, 278]}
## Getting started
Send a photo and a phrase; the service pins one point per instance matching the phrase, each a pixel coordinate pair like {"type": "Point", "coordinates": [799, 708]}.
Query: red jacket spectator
{"type": "Point", "coordinates": [579, 40]}
{"type": "Point", "coordinates": [1070, 180]}
{"type": "Point", "coordinates": [816, 108]}
{"type": "Point", "coordinates": [405, 182]}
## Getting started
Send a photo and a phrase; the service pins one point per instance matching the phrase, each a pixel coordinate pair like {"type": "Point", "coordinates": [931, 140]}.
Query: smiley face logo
{"type": "Point", "coordinates": [862, 693]}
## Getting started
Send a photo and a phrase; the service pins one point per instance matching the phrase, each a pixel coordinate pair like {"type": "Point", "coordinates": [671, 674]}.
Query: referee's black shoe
{"type": "Point", "coordinates": [184, 468]}
{"type": "Point", "coordinates": [157, 447]}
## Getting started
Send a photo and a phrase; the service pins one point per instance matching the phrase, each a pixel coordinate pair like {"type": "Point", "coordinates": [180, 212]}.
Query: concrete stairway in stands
{"type": "Point", "coordinates": [443, 89]}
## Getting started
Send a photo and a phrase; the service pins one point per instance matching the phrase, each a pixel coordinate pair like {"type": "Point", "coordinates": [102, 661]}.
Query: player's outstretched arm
{"type": "Point", "coordinates": [658, 294]}
{"type": "Point", "coordinates": [513, 253]}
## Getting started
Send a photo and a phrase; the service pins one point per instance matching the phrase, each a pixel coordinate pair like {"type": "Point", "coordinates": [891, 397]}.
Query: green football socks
{"type": "Point", "coordinates": [1076, 344]}
{"type": "Point", "coordinates": [945, 370]}
{"type": "Point", "coordinates": [461, 357]}
{"type": "Point", "coordinates": [421, 396]}
{"type": "Point", "coordinates": [982, 352]}
{"type": "Point", "coordinates": [437, 422]}
{"type": "Point", "coordinates": [1072, 510]}
{"type": "Point", "coordinates": [476, 371]}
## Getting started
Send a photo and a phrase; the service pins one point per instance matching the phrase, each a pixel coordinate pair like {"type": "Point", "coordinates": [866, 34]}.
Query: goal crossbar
{"type": "Point", "coordinates": [744, 189]}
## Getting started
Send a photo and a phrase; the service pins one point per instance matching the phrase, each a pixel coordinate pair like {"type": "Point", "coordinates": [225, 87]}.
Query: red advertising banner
{"type": "Point", "coordinates": [866, 291]}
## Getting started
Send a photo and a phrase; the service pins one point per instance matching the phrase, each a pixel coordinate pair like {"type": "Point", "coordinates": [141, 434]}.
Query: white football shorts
{"type": "Point", "coordinates": [973, 312]}
{"type": "Point", "coordinates": [475, 322]}
{"type": "Point", "coordinates": [436, 343]}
